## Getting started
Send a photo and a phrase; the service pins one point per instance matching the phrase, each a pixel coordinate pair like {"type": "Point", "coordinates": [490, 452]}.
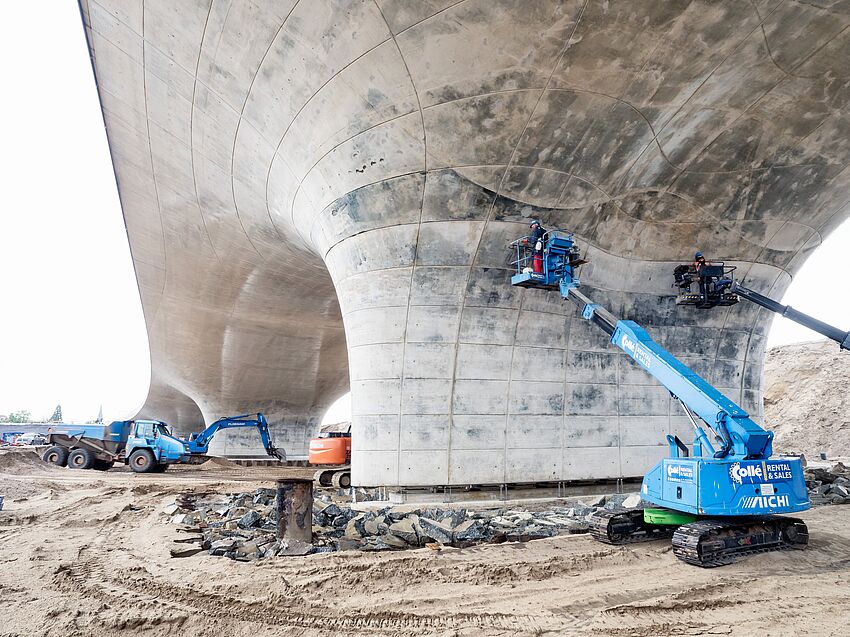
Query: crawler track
{"type": "Point", "coordinates": [705, 543]}
{"type": "Point", "coordinates": [712, 543]}
{"type": "Point", "coordinates": [625, 526]}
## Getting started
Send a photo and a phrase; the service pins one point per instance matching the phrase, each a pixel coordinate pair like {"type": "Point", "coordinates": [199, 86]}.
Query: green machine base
{"type": "Point", "coordinates": [667, 517]}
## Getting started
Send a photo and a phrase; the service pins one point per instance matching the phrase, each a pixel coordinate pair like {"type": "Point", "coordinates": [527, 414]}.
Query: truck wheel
{"type": "Point", "coordinates": [56, 455]}
{"type": "Point", "coordinates": [142, 461]}
{"type": "Point", "coordinates": [80, 459]}
{"type": "Point", "coordinates": [102, 465]}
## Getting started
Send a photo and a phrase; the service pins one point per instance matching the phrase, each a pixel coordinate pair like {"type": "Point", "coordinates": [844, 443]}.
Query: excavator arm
{"type": "Point", "coordinates": [201, 441]}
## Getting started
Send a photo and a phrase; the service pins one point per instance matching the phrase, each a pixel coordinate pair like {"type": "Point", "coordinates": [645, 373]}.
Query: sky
{"type": "Point", "coordinates": [819, 289]}
{"type": "Point", "coordinates": [71, 324]}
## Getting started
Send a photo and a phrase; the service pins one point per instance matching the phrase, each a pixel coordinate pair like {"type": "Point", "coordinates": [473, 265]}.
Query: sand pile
{"type": "Point", "coordinates": [27, 464]}
{"type": "Point", "coordinates": [214, 464]}
{"type": "Point", "coordinates": [19, 461]}
{"type": "Point", "coordinates": [806, 399]}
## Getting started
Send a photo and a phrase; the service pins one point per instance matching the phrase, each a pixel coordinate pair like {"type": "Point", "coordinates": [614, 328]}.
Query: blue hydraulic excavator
{"type": "Point", "coordinates": [199, 443]}
{"type": "Point", "coordinates": [722, 496]}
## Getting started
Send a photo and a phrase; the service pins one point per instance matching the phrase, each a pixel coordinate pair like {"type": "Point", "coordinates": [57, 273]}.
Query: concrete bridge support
{"type": "Point", "coordinates": [320, 193]}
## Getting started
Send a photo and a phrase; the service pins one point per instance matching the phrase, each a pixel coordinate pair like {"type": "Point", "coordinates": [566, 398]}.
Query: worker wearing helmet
{"type": "Point", "coordinates": [537, 231]}
{"type": "Point", "coordinates": [699, 263]}
{"type": "Point", "coordinates": [536, 240]}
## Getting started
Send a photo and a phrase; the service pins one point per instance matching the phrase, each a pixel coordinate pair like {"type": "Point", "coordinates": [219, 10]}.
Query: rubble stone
{"type": "Point", "coordinates": [470, 533]}
{"type": "Point", "coordinates": [270, 550]}
{"type": "Point", "coordinates": [580, 510]}
{"type": "Point", "coordinates": [528, 534]}
{"type": "Point", "coordinates": [354, 529]}
{"type": "Point", "coordinates": [183, 518]}
{"type": "Point", "coordinates": [223, 545]}
{"type": "Point", "coordinates": [251, 518]}
{"type": "Point", "coordinates": [394, 541]}
{"type": "Point", "coordinates": [838, 489]}
{"type": "Point", "coordinates": [405, 530]}
{"type": "Point", "coordinates": [631, 502]}
{"type": "Point", "coordinates": [248, 548]}
{"type": "Point", "coordinates": [327, 515]}
{"type": "Point", "coordinates": [243, 527]}
{"type": "Point", "coordinates": [376, 543]}
{"type": "Point", "coordinates": [437, 531]}
{"type": "Point", "coordinates": [185, 551]}
{"type": "Point", "coordinates": [375, 526]}
{"type": "Point", "coordinates": [295, 547]}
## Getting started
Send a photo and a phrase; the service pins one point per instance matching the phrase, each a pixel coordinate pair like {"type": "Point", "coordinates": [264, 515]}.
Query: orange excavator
{"type": "Point", "coordinates": [332, 451]}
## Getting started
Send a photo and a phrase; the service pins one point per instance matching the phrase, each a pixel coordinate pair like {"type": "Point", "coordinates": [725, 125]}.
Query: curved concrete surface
{"type": "Point", "coordinates": [323, 190]}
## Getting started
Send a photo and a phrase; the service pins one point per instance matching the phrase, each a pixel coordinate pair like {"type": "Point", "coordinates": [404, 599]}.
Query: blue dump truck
{"type": "Point", "coordinates": [147, 446]}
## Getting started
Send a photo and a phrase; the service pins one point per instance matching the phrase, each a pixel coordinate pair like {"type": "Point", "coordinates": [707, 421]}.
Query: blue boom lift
{"type": "Point", "coordinates": [718, 499]}
{"type": "Point", "coordinates": [147, 446]}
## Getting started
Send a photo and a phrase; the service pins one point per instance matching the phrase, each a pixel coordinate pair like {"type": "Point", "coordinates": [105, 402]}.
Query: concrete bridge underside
{"type": "Point", "coordinates": [320, 193]}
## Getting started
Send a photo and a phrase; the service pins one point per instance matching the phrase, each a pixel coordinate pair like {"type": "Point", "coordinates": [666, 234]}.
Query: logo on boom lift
{"type": "Point", "coordinates": [765, 502]}
{"type": "Point", "coordinates": [680, 473]}
{"type": "Point", "coordinates": [760, 471]}
{"type": "Point", "coordinates": [639, 353]}
{"type": "Point", "coordinates": [746, 473]}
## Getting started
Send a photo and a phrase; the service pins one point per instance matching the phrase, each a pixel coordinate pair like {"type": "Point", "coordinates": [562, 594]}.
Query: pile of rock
{"type": "Point", "coordinates": [828, 486]}
{"type": "Point", "coordinates": [242, 526]}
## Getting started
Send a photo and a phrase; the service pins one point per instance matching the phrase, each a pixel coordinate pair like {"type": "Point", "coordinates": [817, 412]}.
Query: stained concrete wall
{"type": "Point", "coordinates": [317, 191]}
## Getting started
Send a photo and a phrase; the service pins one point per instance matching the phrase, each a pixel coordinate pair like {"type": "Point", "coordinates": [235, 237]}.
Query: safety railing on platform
{"type": "Point", "coordinates": [524, 249]}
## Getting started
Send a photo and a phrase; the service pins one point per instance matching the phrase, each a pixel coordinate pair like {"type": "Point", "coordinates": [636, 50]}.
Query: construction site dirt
{"type": "Point", "coordinates": [89, 553]}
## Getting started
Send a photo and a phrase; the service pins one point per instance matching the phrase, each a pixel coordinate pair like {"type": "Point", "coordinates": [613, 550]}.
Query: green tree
{"type": "Point", "coordinates": [20, 416]}
{"type": "Point", "coordinates": [57, 414]}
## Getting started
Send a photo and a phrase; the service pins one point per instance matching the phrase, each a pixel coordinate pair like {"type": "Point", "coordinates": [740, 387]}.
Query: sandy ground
{"type": "Point", "coordinates": [87, 553]}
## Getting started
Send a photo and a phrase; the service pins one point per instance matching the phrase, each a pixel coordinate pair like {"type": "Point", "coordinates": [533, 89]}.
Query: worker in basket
{"type": "Point", "coordinates": [711, 282]}
{"type": "Point", "coordinates": [535, 239]}
{"type": "Point", "coordinates": [700, 268]}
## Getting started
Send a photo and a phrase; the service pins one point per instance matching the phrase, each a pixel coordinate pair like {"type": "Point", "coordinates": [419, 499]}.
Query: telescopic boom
{"type": "Point", "coordinates": [840, 337]}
